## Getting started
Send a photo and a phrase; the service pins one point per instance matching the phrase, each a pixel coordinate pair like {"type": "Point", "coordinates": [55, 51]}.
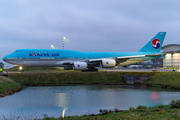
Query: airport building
{"type": "Point", "coordinates": [172, 58]}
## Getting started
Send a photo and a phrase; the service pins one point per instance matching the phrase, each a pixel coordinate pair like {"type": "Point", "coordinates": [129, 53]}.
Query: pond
{"type": "Point", "coordinates": [82, 99]}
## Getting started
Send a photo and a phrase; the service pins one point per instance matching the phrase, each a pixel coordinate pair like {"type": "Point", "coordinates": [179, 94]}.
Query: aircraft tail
{"type": "Point", "coordinates": [155, 44]}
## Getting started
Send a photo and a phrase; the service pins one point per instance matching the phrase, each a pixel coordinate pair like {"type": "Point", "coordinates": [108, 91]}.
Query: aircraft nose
{"type": "Point", "coordinates": [5, 58]}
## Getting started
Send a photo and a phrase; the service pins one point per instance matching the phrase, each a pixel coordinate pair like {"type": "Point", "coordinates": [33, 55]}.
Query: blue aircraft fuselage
{"type": "Point", "coordinates": [20, 56]}
{"type": "Point", "coordinates": [80, 60]}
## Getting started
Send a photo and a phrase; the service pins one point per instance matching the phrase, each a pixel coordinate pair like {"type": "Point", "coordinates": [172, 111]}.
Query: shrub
{"type": "Point", "coordinates": [141, 107]}
{"type": "Point", "coordinates": [175, 104]}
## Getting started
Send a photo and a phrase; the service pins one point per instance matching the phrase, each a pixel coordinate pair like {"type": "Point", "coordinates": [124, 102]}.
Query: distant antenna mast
{"type": "Point", "coordinates": [63, 41]}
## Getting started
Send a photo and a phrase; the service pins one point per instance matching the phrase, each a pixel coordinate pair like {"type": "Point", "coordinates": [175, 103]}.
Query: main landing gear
{"type": "Point", "coordinates": [91, 69]}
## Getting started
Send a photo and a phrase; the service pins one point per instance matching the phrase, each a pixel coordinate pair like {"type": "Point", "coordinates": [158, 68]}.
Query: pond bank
{"type": "Point", "coordinates": [66, 78]}
{"type": "Point", "coordinates": [170, 111]}
{"type": "Point", "coordinates": [8, 86]}
{"type": "Point", "coordinates": [165, 80]}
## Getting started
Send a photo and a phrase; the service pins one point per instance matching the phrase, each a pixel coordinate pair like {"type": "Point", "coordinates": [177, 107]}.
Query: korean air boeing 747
{"type": "Point", "coordinates": [85, 61]}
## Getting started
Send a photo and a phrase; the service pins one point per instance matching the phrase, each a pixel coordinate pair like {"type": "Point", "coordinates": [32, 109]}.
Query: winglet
{"type": "Point", "coordinates": [155, 44]}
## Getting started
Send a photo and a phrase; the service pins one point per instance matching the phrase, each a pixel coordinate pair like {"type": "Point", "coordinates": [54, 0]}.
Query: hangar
{"type": "Point", "coordinates": [172, 58]}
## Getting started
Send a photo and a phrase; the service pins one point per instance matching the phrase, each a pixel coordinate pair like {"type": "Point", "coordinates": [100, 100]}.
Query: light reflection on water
{"type": "Point", "coordinates": [83, 99]}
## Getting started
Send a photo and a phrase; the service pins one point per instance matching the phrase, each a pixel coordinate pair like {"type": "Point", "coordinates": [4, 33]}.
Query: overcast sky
{"type": "Point", "coordinates": [89, 25]}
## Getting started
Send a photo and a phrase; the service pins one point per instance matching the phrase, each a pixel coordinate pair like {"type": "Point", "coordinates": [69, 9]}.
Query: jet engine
{"type": "Point", "coordinates": [80, 66]}
{"type": "Point", "coordinates": [108, 63]}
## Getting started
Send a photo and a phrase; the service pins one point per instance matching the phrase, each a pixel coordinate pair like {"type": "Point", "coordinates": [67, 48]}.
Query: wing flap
{"type": "Point", "coordinates": [94, 60]}
{"type": "Point", "coordinates": [128, 57]}
{"type": "Point", "coordinates": [154, 55]}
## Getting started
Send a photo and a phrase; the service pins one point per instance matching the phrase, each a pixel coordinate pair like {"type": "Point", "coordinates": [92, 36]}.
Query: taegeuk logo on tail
{"type": "Point", "coordinates": [156, 43]}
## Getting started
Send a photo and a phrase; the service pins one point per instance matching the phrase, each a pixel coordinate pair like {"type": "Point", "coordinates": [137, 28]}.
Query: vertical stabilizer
{"type": "Point", "coordinates": [155, 44]}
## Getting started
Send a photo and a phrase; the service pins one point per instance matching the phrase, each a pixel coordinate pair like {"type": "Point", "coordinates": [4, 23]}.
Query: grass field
{"type": "Point", "coordinates": [59, 78]}
{"type": "Point", "coordinates": [68, 78]}
{"type": "Point", "coordinates": [166, 80]}
{"type": "Point", "coordinates": [7, 85]}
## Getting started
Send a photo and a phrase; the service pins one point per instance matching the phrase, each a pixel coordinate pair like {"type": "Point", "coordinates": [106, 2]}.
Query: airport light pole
{"type": "Point", "coordinates": [63, 41]}
{"type": "Point", "coordinates": [52, 46]}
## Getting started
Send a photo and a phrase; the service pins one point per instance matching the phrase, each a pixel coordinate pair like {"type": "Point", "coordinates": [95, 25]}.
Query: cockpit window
{"type": "Point", "coordinates": [16, 51]}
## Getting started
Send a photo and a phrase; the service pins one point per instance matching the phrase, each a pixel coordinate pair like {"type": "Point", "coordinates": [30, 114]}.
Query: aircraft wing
{"type": "Point", "coordinates": [118, 59]}
{"type": "Point", "coordinates": [126, 57]}
{"type": "Point", "coordinates": [97, 62]}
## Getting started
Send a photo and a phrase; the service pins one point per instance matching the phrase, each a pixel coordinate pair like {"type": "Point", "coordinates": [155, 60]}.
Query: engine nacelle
{"type": "Point", "coordinates": [80, 66]}
{"type": "Point", "coordinates": [108, 63]}
{"type": "Point", "coordinates": [68, 68]}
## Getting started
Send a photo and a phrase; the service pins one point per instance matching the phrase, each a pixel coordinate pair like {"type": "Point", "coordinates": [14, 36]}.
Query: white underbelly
{"type": "Point", "coordinates": [33, 63]}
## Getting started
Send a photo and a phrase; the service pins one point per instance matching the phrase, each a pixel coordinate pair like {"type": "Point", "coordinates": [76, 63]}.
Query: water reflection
{"type": "Point", "coordinates": [154, 96]}
{"type": "Point", "coordinates": [62, 101]}
{"type": "Point", "coordinates": [83, 99]}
